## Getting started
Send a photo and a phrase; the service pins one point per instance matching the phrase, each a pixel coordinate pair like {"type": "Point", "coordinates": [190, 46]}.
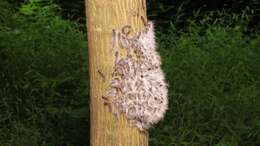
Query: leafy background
{"type": "Point", "coordinates": [211, 58]}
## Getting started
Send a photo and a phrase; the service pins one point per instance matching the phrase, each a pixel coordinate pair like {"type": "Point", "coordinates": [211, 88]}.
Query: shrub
{"type": "Point", "coordinates": [43, 88]}
{"type": "Point", "coordinates": [214, 88]}
{"type": "Point", "coordinates": [212, 69]}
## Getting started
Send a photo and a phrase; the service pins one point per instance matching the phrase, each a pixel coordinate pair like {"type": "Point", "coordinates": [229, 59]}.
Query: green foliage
{"type": "Point", "coordinates": [214, 88]}
{"type": "Point", "coordinates": [211, 66]}
{"type": "Point", "coordinates": [170, 11]}
{"type": "Point", "coordinates": [5, 11]}
{"type": "Point", "coordinates": [39, 7]}
{"type": "Point", "coordinates": [43, 88]}
{"type": "Point", "coordinates": [182, 11]}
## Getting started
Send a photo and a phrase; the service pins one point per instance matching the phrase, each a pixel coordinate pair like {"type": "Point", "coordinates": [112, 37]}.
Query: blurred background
{"type": "Point", "coordinates": [211, 58]}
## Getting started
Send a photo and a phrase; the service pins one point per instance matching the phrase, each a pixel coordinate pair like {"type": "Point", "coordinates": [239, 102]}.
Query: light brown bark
{"type": "Point", "coordinates": [102, 17]}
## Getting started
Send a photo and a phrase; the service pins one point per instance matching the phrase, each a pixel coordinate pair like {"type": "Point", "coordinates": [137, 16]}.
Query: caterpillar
{"type": "Point", "coordinates": [138, 88]}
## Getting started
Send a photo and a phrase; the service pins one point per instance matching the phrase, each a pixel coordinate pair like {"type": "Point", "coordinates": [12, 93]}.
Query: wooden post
{"type": "Point", "coordinates": [102, 17]}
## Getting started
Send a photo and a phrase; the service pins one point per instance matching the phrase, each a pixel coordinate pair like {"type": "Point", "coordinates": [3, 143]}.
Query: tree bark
{"type": "Point", "coordinates": [104, 16]}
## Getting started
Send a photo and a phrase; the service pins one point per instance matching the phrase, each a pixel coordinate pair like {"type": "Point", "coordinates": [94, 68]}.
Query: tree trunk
{"type": "Point", "coordinates": [104, 16]}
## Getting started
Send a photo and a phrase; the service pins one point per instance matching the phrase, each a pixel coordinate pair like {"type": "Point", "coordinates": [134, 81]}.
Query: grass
{"type": "Point", "coordinates": [214, 89]}
{"type": "Point", "coordinates": [213, 73]}
{"type": "Point", "coordinates": [43, 88]}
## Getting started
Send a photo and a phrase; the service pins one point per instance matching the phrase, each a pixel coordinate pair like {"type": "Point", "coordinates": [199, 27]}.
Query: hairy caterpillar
{"type": "Point", "coordinates": [138, 87]}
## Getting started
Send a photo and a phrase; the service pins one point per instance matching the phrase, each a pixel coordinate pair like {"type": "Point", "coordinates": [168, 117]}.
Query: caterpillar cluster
{"type": "Point", "coordinates": [138, 88]}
